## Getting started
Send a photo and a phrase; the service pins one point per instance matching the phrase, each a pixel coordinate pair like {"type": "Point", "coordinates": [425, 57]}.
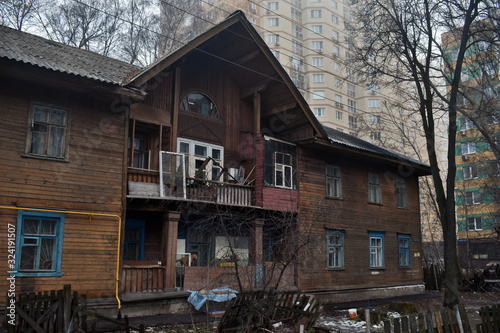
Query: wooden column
{"type": "Point", "coordinates": [256, 252]}
{"type": "Point", "coordinates": [169, 246]}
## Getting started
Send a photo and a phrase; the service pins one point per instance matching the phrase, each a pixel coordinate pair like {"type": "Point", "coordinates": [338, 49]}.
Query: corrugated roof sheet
{"type": "Point", "coordinates": [38, 51]}
{"type": "Point", "coordinates": [342, 138]}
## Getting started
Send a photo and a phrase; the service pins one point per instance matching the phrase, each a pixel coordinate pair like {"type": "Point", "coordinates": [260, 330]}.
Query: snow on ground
{"type": "Point", "coordinates": [343, 323]}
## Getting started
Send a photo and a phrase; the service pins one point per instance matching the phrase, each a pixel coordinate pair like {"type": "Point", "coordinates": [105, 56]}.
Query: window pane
{"type": "Point", "coordinates": [184, 148]}
{"type": "Point", "coordinates": [200, 150]}
{"type": "Point", "coordinates": [31, 227]}
{"type": "Point", "coordinates": [41, 115]}
{"type": "Point", "coordinates": [58, 117]}
{"type": "Point", "coordinates": [279, 176]}
{"type": "Point", "coordinates": [47, 254]}
{"type": "Point", "coordinates": [288, 176]}
{"type": "Point", "coordinates": [28, 258]}
{"type": "Point", "coordinates": [216, 154]}
{"type": "Point", "coordinates": [56, 142]}
{"type": "Point", "coordinates": [38, 137]}
{"type": "Point", "coordinates": [133, 251]}
{"type": "Point", "coordinates": [48, 227]}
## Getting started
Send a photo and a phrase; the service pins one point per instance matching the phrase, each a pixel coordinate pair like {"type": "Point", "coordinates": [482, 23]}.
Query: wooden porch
{"type": "Point", "coordinates": [144, 278]}
{"type": "Point", "coordinates": [147, 183]}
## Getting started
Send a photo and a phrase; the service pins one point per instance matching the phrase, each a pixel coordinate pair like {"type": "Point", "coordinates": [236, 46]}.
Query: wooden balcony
{"type": "Point", "coordinates": [219, 192]}
{"type": "Point", "coordinates": [147, 183]}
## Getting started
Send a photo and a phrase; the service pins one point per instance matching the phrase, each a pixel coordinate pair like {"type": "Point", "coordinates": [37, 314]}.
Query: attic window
{"type": "Point", "coordinates": [200, 103]}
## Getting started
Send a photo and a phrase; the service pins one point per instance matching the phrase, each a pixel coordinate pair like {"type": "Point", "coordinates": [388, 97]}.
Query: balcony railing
{"type": "Point", "coordinates": [172, 183]}
{"type": "Point", "coordinates": [219, 192]}
{"type": "Point", "coordinates": [142, 278]}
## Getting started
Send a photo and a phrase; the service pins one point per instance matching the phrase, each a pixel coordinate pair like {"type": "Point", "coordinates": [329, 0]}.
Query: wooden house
{"type": "Point", "coordinates": [205, 169]}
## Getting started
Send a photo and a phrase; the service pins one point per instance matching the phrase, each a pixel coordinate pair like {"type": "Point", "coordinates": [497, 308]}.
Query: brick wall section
{"type": "Point", "coordinates": [259, 169]}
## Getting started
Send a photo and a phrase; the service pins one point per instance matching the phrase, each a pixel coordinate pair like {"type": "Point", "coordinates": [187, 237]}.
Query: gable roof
{"type": "Point", "coordinates": [37, 51]}
{"type": "Point", "coordinates": [242, 54]}
{"type": "Point", "coordinates": [343, 139]}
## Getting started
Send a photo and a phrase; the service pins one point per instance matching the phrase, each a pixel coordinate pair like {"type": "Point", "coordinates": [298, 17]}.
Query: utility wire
{"type": "Point", "coordinates": [357, 112]}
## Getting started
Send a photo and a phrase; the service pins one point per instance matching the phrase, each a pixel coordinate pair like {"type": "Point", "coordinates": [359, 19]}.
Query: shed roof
{"type": "Point", "coordinates": [341, 138]}
{"type": "Point", "coordinates": [34, 50]}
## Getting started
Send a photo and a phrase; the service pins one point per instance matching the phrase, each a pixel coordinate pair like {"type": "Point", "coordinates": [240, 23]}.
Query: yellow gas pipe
{"type": "Point", "coordinates": [90, 217]}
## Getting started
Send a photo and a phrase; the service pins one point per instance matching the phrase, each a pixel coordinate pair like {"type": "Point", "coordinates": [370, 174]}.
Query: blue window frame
{"type": "Point", "coordinates": [133, 248]}
{"type": "Point", "coordinates": [39, 243]}
{"type": "Point", "coordinates": [404, 250]}
{"type": "Point", "coordinates": [334, 249]}
{"type": "Point", "coordinates": [376, 249]}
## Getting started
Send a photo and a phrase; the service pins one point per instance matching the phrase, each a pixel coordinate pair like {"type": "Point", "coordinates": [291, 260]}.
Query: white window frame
{"type": "Point", "coordinates": [338, 101]}
{"type": "Point", "coordinates": [318, 78]}
{"type": "Point", "coordinates": [317, 28]}
{"type": "Point", "coordinates": [317, 45]}
{"type": "Point", "coordinates": [335, 249]}
{"type": "Point", "coordinates": [470, 172]}
{"type": "Point", "coordinates": [476, 222]}
{"type": "Point", "coordinates": [376, 250]}
{"type": "Point", "coordinates": [319, 112]}
{"type": "Point", "coordinates": [273, 5]}
{"type": "Point", "coordinates": [318, 94]}
{"type": "Point", "coordinates": [472, 198]}
{"type": "Point", "coordinates": [373, 103]}
{"type": "Point", "coordinates": [273, 22]}
{"type": "Point", "coordinates": [353, 122]}
{"type": "Point", "coordinates": [286, 171]}
{"type": "Point", "coordinates": [318, 61]}
{"type": "Point", "coordinates": [468, 148]}
{"type": "Point", "coordinates": [192, 158]}
{"type": "Point", "coordinates": [352, 106]}
{"type": "Point", "coordinates": [465, 124]}
{"type": "Point", "coordinates": [316, 13]}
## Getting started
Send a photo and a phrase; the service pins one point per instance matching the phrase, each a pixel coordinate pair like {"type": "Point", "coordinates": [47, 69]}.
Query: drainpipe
{"type": "Point", "coordinates": [90, 215]}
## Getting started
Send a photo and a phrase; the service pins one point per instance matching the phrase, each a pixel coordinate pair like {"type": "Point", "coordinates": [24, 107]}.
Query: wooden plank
{"type": "Point", "coordinates": [496, 318]}
{"type": "Point", "coordinates": [397, 325]}
{"type": "Point", "coordinates": [445, 320]}
{"type": "Point", "coordinates": [464, 318]}
{"type": "Point", "coordinates": [404, 325]}
{"type": "Point", "coordinates": [421, 322]}
{"type": "Point", "coordinates": [430, 323]}
{"type": "Point", "coordinates": [27, 318]}
{"type": "Point", "coordinates": [439, 322]}
{"type": "Point", "coordinates": [414, 324]}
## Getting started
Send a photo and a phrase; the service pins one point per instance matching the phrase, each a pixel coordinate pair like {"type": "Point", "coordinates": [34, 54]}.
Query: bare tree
{"type": "Point", "coordinates": [91, 25]}
{"type": "Point", "coordinates": [402, 44]}
{"type": "Point", "coordinates": [139, 39]}
{"type": "Point", "coordinates": [19, 14]}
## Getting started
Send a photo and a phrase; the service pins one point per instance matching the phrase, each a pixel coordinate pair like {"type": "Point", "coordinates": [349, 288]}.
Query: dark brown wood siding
{"type": "Point", "coordinates": [90, 181]}
{"type": "Point", "coordinates": [353, 215]}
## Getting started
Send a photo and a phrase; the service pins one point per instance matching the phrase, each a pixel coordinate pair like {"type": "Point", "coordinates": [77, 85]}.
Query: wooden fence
{"type": "Point", "coordinates": [442, 321]}
{"type": "Point", "coordinates": [257, 311]}
{"type": "Point", "coordinates": [490, 320]}
{"type": "Point", "coordinates": [56, 311]}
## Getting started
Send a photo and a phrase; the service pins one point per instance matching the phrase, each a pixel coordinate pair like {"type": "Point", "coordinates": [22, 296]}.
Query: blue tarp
{"type": "Point", "coordinates": [198, 298]}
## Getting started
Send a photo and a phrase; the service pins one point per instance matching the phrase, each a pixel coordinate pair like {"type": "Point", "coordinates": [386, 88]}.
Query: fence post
{"type": "Point", "coordinates": [367, 320]}
{"type": "Point", "coordinates": [67, 306]}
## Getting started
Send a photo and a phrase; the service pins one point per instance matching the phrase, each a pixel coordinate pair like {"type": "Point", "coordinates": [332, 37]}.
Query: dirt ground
{"type": "Point", "coordinates": [335, 316]}
{"type": "Point", "coordinates": [429, 301]}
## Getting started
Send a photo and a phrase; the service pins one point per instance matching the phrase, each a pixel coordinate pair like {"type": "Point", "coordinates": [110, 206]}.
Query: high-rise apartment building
{"type": "Point", "coordinates": [312, 41]}
{"type": "Point", "coordinates": [477, 188]}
